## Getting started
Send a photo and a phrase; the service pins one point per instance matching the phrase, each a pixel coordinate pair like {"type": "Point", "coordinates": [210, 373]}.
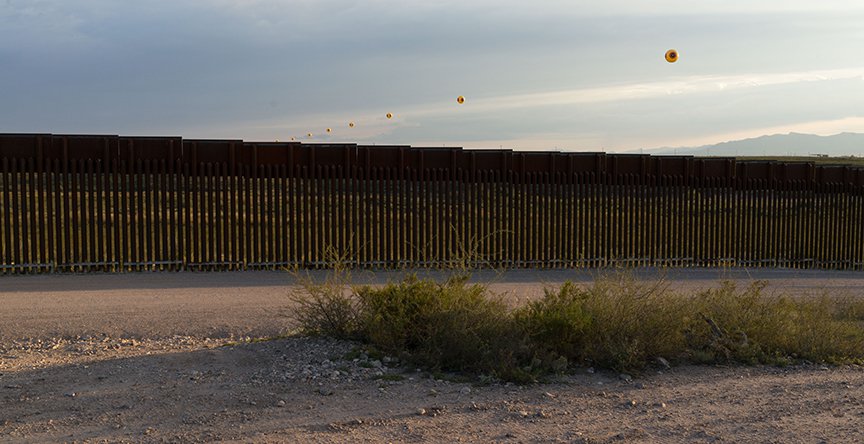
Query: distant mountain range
{"type": "Point", "coordinates": [792, 144]}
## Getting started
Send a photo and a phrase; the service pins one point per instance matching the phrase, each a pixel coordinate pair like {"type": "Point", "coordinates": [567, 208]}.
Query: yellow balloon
{"type": "Point", "coordinates": [350, 124]}
{"type": "Point", "coordinates": [329, 130]}
{"type": "Point", "coordinates": [460, 99]}
{"type": "Point", "coordinates": [671, 56]}
{"type": "Point", "coordinates": [389, 115]}
{"type": "Point", "coordinates": [308, 134]}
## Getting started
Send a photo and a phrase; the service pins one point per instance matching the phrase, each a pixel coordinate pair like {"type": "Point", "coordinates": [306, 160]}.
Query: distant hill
{"type": "Point", "coordinates": [778, 145]}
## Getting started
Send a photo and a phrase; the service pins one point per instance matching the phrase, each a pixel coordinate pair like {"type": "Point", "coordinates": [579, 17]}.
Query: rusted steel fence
{"type": "Point", "coordinates": [107, 203]}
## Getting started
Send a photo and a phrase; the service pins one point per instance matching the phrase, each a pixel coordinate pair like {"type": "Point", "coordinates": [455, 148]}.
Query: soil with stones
{"type": "Point", "coordinates": [163, 384]}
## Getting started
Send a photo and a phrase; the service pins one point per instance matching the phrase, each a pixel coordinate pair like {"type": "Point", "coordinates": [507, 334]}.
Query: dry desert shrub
{"type": "Point", "coordinates": [617, 323]}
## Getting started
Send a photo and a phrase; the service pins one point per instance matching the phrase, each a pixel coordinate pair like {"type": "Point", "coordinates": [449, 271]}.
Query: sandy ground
{"type": "Point", "coordinates": [163, 358]}
{"type": "Point", "coordinates": [218, 305]}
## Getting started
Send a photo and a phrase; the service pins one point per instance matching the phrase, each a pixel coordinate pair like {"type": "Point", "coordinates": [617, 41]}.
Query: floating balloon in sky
{"type": "Point", "coordinates": [350, 124]}
{"type": "Point", "coordinates": [389, 115]}
{"type": "Point", "coordinates": [308, 134]}
{"type": "Point", "coordinates": [292, 139]}
{"type": "Point", "coordinates": [329, 130]}
{"type": "Point", "coordinates": [460, 99]}
{"type": "Point", "coordinates": [671, 56]}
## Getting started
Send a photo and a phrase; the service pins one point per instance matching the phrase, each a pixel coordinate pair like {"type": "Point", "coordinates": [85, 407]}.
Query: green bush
{"type": "Point", "coordinates": [451, 326]}
{"type": "Point", "coordinates": [327, 308]}
{"type": "Point", "coordinates": [750, 327]}
{"type": "Point", "coordinates": [848, 308]}
{"type": "Point", "coordinates": [557, 324]}
{"type": "Point", "coordinates": [725, 325]}
{"type": "Point", "coordinates": [617, 323]}
{"type": "Point", "coordinates": [822, 335]}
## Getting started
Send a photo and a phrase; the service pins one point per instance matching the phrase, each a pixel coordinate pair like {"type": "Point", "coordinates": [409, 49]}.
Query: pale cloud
{"type": "Point", "coordinates": [555, 73]}
{"type": "Point", "coordinates": [373, 123]}
{"type": "Point", "coordinates": [573, 8]}
{"type": "Point", "coordinates": [615, 118]}
{"type": "Point", "coordinates": [649, 90]}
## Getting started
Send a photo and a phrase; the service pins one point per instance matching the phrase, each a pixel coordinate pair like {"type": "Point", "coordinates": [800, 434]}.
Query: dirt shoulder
{"type": "Point", "coordinates": [155, 358]}
{"type": "Point", "coordinates": [315, 390]}
{"type": "Point", "coordinates": [236, 304]}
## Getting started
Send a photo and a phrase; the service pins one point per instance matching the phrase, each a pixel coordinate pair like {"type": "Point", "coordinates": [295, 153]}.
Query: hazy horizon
{"type": "Point", "coordinates": [565, 75]}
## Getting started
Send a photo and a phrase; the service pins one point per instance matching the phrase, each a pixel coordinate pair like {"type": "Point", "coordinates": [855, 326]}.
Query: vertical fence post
{"type": "Point", "coordinates": [96, 203]}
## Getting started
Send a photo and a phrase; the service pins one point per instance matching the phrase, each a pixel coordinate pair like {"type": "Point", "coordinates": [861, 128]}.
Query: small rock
{"type": "Point", "coordinates": [432, 392]}
{"type": "Point", "coordinates": [663, 363]}
{"type": "Point", "coordinates": [325, 391]}
{"type": "Point", "coordinates": [632, 403]}
{"type": "Point", "coordinates": [421, 411]}
{"type": "Point", "coordinates": [590, 370]}
{"type": "Point", "coordinates": [437, 410]}
{"type": "Point", "coordinates": [523, 413]}
{"type": "Point", "coordinates": [549, 395]}
{"type": "Point", "coordinates": [281, 403]}
{"type": "Point", "coordinates": [625, 377]}
{"type": "Point", "coordinates": [377, 364]}
{"type": "Point", "coordinates": [661, 405]}
{"type": "Point", "coordinates": [70, 394]}
{"type": "Point", "coordinates": [465, 391]}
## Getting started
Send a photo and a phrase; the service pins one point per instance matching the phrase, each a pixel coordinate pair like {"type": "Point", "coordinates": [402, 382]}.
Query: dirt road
{"type": "Point", "coordinates": [152, 305]}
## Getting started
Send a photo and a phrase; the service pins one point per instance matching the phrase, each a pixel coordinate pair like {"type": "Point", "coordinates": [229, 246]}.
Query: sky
{"type": "Point", "coordinates": [565, 75]}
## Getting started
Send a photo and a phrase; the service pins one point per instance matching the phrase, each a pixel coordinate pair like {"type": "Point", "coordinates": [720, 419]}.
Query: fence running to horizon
{"type": "Point", "coordinates": [108, 203]}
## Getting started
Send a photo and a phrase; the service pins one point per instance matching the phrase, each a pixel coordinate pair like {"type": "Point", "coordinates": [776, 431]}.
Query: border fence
{"type": "Point", "coordinates": [76, 203]}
